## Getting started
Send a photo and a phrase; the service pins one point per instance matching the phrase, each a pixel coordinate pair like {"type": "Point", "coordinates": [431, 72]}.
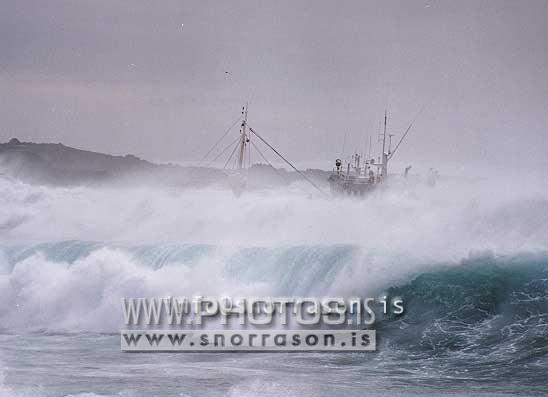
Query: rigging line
{"type": "Point", "coordinates": [268, 162]}
{"type": "Point", "coordinates": [407, 131]}
{"type": "Point", "coordinates": [220, 139]}
{"type": "Point", "coordinates": [225, 149]}
{"type": "Point", "coordinates": [286, 161]}
{"type": "Point", "coordinates": [231, 154]}
{"type": "Point", "coordinates": [199, 164]}
{"type": "Point", "coordinates": [235, 164]}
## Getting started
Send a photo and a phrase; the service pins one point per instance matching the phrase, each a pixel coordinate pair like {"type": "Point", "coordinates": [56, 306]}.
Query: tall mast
{"type": "Point", "coordinates": [384, 133]}
{"type": "Point", "coordinates": [244, 139]}
{"type": "Point", "coordinates": [384, 155]}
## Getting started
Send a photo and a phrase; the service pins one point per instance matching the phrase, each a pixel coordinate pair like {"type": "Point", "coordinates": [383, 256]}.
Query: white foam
{"type": "Point", "coordinates": [397, 231]}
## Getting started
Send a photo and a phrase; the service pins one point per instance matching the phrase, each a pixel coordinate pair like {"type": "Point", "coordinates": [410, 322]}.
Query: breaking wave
{"type": "Point", "coordinates": [488, 315]}
{"type": "Point", "coordinates": [496, 305]}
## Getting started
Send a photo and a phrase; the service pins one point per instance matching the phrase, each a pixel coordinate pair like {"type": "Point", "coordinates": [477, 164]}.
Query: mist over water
{"type": "Point", "coordinates": [456, 216]}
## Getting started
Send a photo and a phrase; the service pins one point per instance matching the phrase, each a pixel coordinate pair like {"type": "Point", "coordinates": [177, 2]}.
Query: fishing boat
{"type": "Point", "coordinates": [361, 177]}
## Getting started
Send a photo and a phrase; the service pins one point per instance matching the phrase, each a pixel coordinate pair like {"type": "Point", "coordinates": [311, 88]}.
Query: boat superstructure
{"type": "Point", "coordinates": [361, 176]}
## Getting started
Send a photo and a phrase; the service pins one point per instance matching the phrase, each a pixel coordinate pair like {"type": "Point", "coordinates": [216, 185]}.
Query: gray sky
{"type": "Point", "coordinates": [124, 76]}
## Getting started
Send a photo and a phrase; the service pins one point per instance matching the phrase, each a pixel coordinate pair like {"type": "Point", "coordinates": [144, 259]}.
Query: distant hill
{"type": "Point", "coordinates": [57, 164]}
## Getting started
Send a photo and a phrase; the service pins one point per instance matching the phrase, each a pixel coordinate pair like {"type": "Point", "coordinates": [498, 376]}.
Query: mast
{"type": "Point", "coordinates": [243, 138]}
{"type": "Point", "coordinates": [384, 155]}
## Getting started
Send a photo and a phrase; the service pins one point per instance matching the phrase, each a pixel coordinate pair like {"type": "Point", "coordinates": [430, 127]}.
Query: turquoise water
{"type": "Point", "coordinates": [474, 327]}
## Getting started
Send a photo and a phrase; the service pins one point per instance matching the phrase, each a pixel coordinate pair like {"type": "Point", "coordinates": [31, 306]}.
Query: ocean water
{"type": "Point", "coordinates": [469, 259]}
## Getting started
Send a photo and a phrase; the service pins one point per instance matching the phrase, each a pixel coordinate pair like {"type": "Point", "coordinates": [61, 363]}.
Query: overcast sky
{"type": "Point", "coordinates": [149, 77]}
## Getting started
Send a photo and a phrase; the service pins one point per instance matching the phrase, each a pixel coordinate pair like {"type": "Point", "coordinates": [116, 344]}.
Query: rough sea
{"type": "Point", "coordinates": [469, 259]}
